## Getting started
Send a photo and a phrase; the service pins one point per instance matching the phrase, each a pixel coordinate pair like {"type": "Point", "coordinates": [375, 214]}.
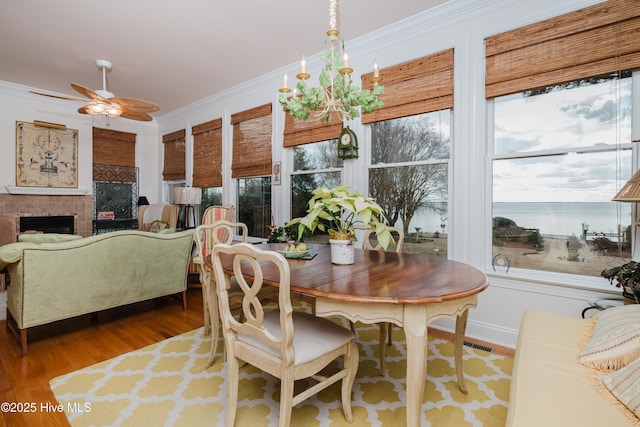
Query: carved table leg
{"type": "Point", "coordinates": [461, 326]}
{"type": "Point", "coordinates": [415, 328]}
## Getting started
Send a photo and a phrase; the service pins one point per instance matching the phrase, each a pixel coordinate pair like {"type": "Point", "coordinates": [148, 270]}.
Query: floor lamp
{"type": "Point", "coordinates": [630, 192]}
{"type": "Point", "coordinates": [190, 197]}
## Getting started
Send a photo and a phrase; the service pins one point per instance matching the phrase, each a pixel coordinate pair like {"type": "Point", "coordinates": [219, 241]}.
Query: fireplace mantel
{"type": "Point", "coordinates": [45, 191]}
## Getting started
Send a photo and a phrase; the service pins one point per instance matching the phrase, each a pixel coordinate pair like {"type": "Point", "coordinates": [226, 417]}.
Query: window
{"type": "Point", "coordinates": [560, 155]}
{"type": "Point", "coordinates": [408, 177]}
{"type": "Point", "coordinates": [314, 165]}
{"type": "Point", "coordinates": [211, 196]}
{"type": "Point", "coordinates": [207, 162]}
{"type": "Point", "coordinates": [251, 162]}
{"type": "Point", "coordinates": [254, 204]}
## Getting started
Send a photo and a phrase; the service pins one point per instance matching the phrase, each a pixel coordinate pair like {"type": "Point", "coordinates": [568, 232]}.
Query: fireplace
{"type": "Point", "coordinates": [48, 224]}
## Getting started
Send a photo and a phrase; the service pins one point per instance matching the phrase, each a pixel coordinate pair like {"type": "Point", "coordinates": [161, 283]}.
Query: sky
{"type": "Point", "coordinates": [573, 121]}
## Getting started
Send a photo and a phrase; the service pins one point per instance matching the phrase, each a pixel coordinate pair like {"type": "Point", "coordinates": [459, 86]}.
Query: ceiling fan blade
{"type": "Point", "coordinates": [135, 104]}
{"type": "Point", "coordinates": [67, 98]}
{"type": "Point", "coordinates": [87, 92]}
{"type": "Point", "coordinates": [136, 115]}
{"type": "Point", "coordinates": [84, 109]}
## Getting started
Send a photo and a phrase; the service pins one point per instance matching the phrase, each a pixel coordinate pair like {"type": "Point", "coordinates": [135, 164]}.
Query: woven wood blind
{"type": "Point", "coordinates": [414, 87]}
{"type": "Point", "coordinates": [114, 148]}
{"type": "Point", "coordinates": [299, 132]}
{"type": "Point", "coordinates": [251, 142]}
{"type": "Point", "coordinates": [174, 155]}
{"type": "Point", "coordinates": [589, 42]}
{"type": "Point", "coordinates": [207, 154]}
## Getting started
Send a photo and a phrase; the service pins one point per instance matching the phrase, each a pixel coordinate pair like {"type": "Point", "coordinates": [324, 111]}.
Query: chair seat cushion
{"type": "Point", "coordinates": [314, 336]}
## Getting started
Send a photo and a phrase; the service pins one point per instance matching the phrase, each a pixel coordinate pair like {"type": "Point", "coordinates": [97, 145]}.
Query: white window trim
{"type": "Point", "coordinates": [554, 283]}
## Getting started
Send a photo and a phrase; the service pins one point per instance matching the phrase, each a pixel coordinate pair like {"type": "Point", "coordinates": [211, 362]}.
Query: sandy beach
{"type": "Point", "coordinates": [552, 258]}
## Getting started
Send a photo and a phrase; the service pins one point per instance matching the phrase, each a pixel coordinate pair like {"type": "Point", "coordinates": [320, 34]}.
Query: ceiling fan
{"type": "Point", "coordinates": [103, 102]}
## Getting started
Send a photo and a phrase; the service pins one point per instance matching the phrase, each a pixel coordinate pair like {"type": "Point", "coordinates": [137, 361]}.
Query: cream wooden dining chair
{"type": "Point", "coordinates": [210, 216]}
{"type": "Point", "coordinates": [286, 344]}
{"type": "Point", "coordinates": [221, 231]}
{"type": "Point", "coordinates": [371, 244]}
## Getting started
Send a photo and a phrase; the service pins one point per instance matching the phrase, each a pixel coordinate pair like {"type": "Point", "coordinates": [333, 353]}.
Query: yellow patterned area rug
{"type": "Point", "coordinates": [167, 384]}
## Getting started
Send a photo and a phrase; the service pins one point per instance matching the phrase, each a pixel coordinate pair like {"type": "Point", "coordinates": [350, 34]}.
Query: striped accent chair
{"type": "Point", "coordinates": [210, 216]}
{"type": "Point", "coordinates": [163, 212]}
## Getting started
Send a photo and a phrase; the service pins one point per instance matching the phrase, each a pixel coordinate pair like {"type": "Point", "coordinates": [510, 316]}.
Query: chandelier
{"type": "Point", "coordinates": [336, 93]}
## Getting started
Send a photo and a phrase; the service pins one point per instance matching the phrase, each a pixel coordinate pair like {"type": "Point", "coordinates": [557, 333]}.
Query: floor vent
{"type": "Point", "coordinates": [478, 346]}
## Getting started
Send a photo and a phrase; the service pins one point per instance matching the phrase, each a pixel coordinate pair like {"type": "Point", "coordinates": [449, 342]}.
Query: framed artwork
{"type": "Point", "coordinates": [276, 173]}
{"type": "Point", "coordinates": [46, 156]}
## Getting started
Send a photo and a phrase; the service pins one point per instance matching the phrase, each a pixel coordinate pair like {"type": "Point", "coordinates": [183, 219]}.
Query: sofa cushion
{"type": "Point", "coordinates": [548, 387]}
{"type": "Point", "coordinates": [48, 238]}
{"type": "Point", "coordinates": [615, 341]}
{"type": "Point", "coordinates": [625, 385]}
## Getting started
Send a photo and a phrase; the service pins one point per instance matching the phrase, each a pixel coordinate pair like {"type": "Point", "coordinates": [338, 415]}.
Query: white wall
{"type": "Point", "coordinates": [17, 104]}
{"type": "Point", "coordinates": [461, 24]}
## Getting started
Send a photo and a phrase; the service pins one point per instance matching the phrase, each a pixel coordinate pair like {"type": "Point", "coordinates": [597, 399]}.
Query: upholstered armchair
{"type": "Point", "coordinates": [165, 216]}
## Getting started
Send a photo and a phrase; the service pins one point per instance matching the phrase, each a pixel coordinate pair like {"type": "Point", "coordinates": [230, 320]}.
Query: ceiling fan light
{"type": "Point", "coordinates": [96, 108]}
{"type": "Point", "coordinates": [113, 112]}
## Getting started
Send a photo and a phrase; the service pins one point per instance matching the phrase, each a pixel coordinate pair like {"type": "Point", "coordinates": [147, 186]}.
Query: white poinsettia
{"type": "Point", "coordinates": [338, 210]}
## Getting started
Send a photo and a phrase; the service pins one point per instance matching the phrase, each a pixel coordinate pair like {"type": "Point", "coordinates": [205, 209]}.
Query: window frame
{"type": "Point", "coordinates": [532, 279]}
{"type": "Point", "coordinates": [447, 161]}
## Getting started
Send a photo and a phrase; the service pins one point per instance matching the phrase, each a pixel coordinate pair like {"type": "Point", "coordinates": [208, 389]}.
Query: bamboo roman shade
{"type": "Point", "coordinates": [174, 155]}
{"type": "Point", "coordinates": [589, 42]}
{"type": "Point", "coordinates": [251, 142]}
{"type": "Point", "coordinates": [416, 87]}
{"type": "Point", "coordinates": [207, 154]}
{"type": "Point", "coordinates": [114, 149]}
{"type": "Point", "coordinates": [299, 132]}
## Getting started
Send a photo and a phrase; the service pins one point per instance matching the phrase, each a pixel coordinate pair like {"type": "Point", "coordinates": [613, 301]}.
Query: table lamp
{"type": "Point", "coordinates": [188, 196]}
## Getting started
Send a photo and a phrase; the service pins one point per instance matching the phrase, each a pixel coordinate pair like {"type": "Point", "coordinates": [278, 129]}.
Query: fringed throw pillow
{"type": "Point", "coordinates": [615, 341]}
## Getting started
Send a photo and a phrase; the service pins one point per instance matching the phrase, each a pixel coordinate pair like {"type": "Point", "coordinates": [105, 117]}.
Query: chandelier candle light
{"type": "Point", "coordinates": [336, 94]}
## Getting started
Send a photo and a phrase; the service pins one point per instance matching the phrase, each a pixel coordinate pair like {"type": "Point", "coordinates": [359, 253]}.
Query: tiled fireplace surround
{"type": "Point", "coordinates": [80, 206]}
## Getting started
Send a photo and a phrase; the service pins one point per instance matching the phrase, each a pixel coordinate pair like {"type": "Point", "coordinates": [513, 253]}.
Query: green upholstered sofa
{"type": "Point", "coordinates": [62, 278]}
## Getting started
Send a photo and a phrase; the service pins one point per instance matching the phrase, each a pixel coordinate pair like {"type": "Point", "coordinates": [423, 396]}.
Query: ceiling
{"type": "Point", "coordinates": [173, 52]}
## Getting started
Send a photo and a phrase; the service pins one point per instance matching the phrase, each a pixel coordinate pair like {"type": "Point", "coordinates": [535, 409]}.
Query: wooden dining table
{"type": "Point", "coordinates": [408, 290]}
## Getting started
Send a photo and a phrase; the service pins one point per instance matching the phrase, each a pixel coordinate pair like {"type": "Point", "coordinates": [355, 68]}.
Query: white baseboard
{"type": "Point", "coordinates": [481, 331]}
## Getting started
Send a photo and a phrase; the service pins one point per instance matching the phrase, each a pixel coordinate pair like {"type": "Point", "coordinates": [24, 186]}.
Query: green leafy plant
{"type": "Point", "coordinates": [282, 234]}
{"type": "Point", "coordinates": [338, 210]}
{"type": "Point", "coordinates": [626, 276]}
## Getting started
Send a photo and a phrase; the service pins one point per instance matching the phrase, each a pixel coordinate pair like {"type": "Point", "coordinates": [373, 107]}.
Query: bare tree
{"type": "Point", "coordinates": [402, 190]}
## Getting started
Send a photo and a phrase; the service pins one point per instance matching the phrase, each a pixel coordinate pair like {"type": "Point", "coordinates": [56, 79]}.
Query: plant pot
{"type": "Point", "coordinates": [341, 250]}
{"type": "Point", "coordinates": [629, 296]}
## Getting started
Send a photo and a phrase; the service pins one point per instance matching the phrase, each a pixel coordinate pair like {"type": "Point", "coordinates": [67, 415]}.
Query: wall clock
{"type": "Point", "coordinates": [347, 144]}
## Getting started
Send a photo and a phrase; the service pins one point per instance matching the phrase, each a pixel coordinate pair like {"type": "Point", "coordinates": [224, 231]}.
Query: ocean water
{"type": "Point", "coordinates": [553, 218]}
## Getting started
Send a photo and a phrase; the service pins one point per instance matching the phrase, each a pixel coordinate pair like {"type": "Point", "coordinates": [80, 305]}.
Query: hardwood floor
{"type": "Point", "coordinates": [71, 345]}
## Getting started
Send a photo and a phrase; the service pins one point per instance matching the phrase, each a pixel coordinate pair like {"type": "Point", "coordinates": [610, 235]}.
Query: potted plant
{"type": "Point", "coordinates": [337, 211]}
{"type": "Point", "coordinates": [627, 277]}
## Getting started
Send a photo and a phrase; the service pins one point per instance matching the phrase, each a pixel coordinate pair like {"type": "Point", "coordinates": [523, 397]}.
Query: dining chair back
{"type": "Point", "coordinates": [210, 216]}
{"type": "Point", "coordinates": [370, 233]}
{"type": "Point", "coordinates": [221, 231]}
{"type": "Point", "coordinates": [287, 344]}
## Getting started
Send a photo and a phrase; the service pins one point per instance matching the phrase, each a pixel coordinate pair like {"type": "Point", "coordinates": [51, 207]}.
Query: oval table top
{"type": "Point", "coordinates": [377, 277]}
